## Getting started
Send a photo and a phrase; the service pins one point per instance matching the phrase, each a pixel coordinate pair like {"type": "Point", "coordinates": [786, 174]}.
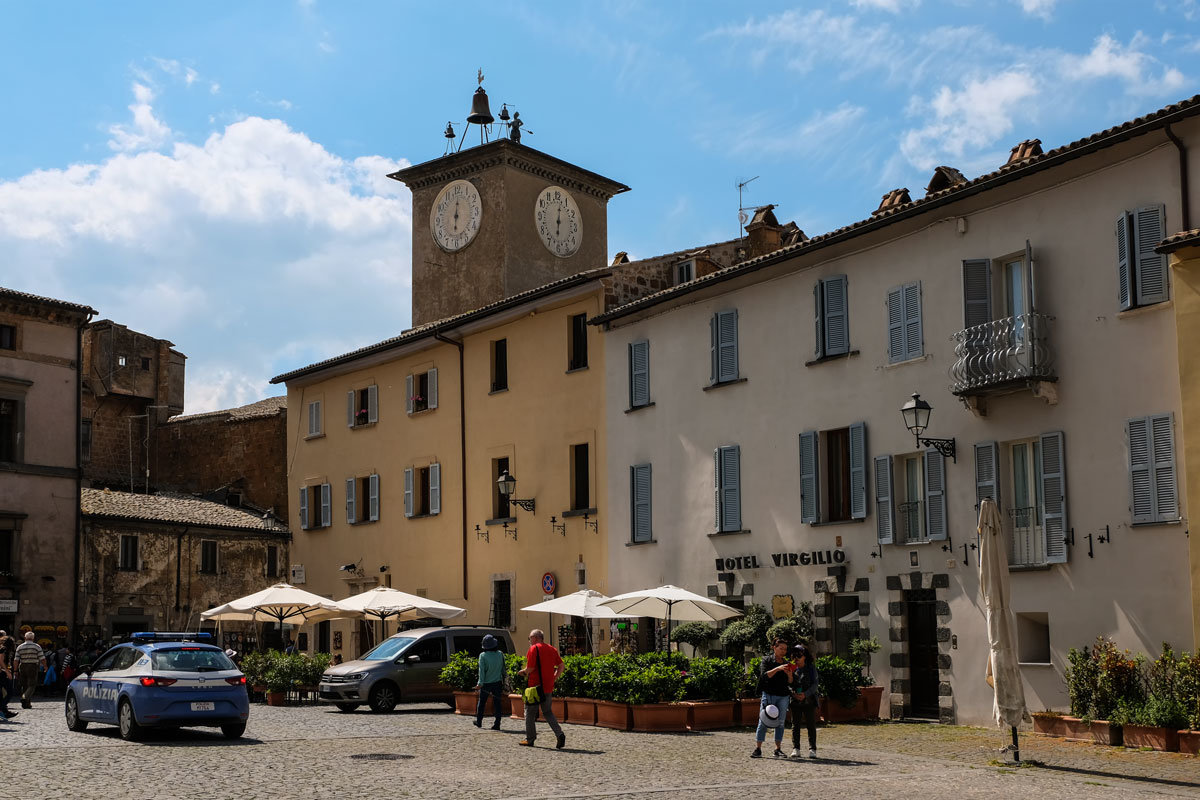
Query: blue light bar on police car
{"type": "Point", "coordinates": [163, 636]}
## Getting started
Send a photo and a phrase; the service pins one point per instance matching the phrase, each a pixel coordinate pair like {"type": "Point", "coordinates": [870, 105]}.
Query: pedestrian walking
{"type": "Point", "coordinates": [774, 682]}
{"type": "Point", "coordinates": [542, 666]}
{"type": "Point", "coordinates": [29, 659]}
{"type": "Point", "coordinates": [491, 680]}
{"type": "Point", "coordinates": [804, 699]}
{"type": "Point", "coordinates": [6, 691]}
{"type": "Point", "coordinates": [9, 645]}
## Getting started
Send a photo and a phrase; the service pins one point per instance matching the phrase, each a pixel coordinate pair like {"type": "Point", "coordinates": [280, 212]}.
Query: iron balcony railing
{"type": "Point", "coordinates": [1000, 352]}
{"type": "Point", "coordinates": [911, 529]}
{"type": "Point", "coordinates": [1027, 539]}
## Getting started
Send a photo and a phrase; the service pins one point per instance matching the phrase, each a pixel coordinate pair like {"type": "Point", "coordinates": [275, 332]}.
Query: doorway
{"type": "Point", "coordinates": [921, 610]}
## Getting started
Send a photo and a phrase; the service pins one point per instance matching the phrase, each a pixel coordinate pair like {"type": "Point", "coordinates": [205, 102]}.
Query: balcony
{"type": "Point", "coordinates": [1003, 355]}
{"type": "Point", "coordinates": [1027, 539]}
{"type": "Point", "coordinates": [910, 517]}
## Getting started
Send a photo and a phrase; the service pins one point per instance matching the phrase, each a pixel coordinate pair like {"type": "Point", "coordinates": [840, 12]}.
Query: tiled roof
{"type": "Point", "coordinates": [173, 508]}
{"type": "Point", "coordinates": [431, 328]}
{"type": "Point", "coordinates": [1179, 240]}
{"type": "Point", "coordinates": [50, 301]}
{"type": "Point", "coordinates": [1009, 172]}
{"type": "Point", "coordinates": [270, 407]}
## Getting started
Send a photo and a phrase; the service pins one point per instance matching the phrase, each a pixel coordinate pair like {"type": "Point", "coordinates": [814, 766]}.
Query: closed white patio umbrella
{"type": "Point", "coordinates": [670, 602]}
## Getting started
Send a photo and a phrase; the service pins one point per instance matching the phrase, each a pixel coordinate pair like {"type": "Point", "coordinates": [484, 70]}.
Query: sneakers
{"type": "Point", "coordinates": [812, 753]}
{"type": "Point", "coordinates": [756, 753]}
{"type": "Point", "coordinates": [795, 753]}
{"type": "Point", "coordinates": [478, 723]}
{"type": "Point", "coordinates": [562, 741]}
{"type": "Point", "coordinates": [526, 743]}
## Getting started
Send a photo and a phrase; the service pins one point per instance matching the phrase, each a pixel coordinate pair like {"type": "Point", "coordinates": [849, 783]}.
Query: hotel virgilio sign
{"type": "Point", "coordinates": [807, 559]}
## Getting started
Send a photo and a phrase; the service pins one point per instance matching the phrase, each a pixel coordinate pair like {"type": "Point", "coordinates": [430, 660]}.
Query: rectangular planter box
{"type": "Point", "coordinates": [656, 717]}
{"type": "Point", "coordinates": [1163, 739]}
{"type": "Point", "coordinates": [873, 698]}
{"type": "Point", "coordinates": [465, 703]}
{"type": "Point", "coordinates": [1189, 742]}
{"type": "Point", "coordinates": [580, 710]}
{"type": "Point", "coordinates": [1098, 731]}
{"type": "Point", "coordinates": [834, 711]}
{"type": "Point", "coordinates": [745, 710]}
{"type": "Point", "coordinates": [710, 715]}
{"type": "Point", "coordinates": [1049, 725]}
{"type": "Point", "coordinates": [558, 707]}
{"type": "Point", "coordinates": [613, 715]}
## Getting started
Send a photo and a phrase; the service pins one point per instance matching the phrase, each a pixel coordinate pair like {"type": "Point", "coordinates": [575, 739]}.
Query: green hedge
{"type": "Point", "coordinates": [1104, 682]}
{"type": "Point", "coordinates": [279, 672]}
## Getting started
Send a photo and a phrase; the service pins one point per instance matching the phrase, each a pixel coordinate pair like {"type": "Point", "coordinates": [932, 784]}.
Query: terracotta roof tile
{"type": "Point", "coordinates": [1179, 240]}
{"type": "Point", "coordinates": [270, 407]}
{"type": "Point", "coordinates": [33, 298]}
{"type": "Point", "coordinates": [172, 508]}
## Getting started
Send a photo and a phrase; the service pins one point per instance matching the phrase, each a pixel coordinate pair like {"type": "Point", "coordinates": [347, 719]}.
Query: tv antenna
{"type": "Point", "coordinates": [743, 218]}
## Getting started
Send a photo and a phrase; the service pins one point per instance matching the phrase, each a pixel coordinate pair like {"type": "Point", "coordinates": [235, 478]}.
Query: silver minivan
{"type": "Point", "coordinates": [404, 668]}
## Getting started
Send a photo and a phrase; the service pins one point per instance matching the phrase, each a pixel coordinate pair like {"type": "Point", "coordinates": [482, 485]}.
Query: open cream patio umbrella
{"type": "Point", "coordinates": [384, 602]}
{"type": "Point", "coordinates": [670, 602]}
{"type": "Point", "coordinates": [1003, 674]}
{"type": "Point", "coordinates": [281, 603]}
{"type": "Point", "coordinates": [585, 603]}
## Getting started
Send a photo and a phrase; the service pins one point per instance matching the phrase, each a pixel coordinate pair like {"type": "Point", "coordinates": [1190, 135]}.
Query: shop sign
{"type": "Point", "coordinates": [810, 558]}
{"type": "Point", "coordinates": [297, 574]}
{"type": "Point", "coordinates": [8, 606]}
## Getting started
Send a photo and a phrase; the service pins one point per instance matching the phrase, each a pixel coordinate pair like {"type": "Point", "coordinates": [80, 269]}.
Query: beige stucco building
{"type": "Point", "coordinates": [756, 449]}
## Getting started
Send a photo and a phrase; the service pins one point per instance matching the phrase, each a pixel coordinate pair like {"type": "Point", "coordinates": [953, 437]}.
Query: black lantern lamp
{"type": "Point", "coordinates": [916, 418]}
{"type": "Point", "coordinates": [507, 484]}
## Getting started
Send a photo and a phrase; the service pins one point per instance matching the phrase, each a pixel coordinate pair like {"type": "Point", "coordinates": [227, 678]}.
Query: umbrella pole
{"type": "Point", "coordinates": [1016, 746]}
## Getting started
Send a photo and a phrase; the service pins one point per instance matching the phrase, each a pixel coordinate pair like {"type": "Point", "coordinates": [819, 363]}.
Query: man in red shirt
{"type": "Point", "coordinates": [542, 666]}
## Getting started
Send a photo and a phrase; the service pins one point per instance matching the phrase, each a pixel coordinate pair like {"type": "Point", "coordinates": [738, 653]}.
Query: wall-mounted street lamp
{"type": "Point", "coordinates": [511, 530]}
{"type": "Point", "coordinates": [558, 527]}
{"type": "Point", "coordinates": [916, 418]}
{"type": "Point", "coordinates": [507, 485]}
{"type": "Point", "coordinates": [482, 533]}
{"type": "Point", "coordinates": [588, 522]}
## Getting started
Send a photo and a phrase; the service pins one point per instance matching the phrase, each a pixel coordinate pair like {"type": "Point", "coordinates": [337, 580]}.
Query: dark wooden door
{"type": "Point", "coordinates": [922, 653]}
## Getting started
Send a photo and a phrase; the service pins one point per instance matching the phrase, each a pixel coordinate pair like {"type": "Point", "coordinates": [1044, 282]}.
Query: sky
{"type": "Point", "coordinates": [215, 173]}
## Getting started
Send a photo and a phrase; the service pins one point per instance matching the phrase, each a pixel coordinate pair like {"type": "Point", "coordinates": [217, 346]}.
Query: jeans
{"type": "Point", "coordinates": [809, 713]}
{"type": "Point", "coordinates": [531, 715]}
{"type": "Point", "coordinates": [780, 702]}
{"type": "Point", "coordinates": [495, 691]}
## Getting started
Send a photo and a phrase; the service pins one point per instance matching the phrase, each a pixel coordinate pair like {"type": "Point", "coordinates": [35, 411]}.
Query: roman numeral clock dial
{"type": "Point", "coordinates": [559, 223]}
{"type": "Point", "coordinates": [455, 216]}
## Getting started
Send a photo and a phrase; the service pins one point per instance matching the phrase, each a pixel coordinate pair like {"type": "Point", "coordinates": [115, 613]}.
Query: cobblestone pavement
{"type": "Point", "coordinates": [428, 752]}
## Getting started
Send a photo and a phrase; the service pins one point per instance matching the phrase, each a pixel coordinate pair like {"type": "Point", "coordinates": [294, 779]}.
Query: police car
{"type": "Point", "coordinates": [167, 680]}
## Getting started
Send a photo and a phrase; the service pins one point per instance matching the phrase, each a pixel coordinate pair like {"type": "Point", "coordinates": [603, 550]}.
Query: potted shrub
{"type": "Point", "coordinates": [1097, 680]}
{"type": "Point", "coordinates": [279, 677]}
{"type": "Point", "coordinates": [794, 629]}
{"type": "Point", "coordinates": [748, 632]}
{"type": "Point", "coordinates": [574, 686]}
{"type": "Point", "coordinates": [513, 664]}
{"type": "Point", "coordinates": [254, 667]}
{"type": "Point", "coordinates": [872, 693]}
{"type": "Point", "coordinates": [608, 687]}
{"type": "Point", "coordinates": [710, 691]}
{"type": "Point", "coordinates": [840, 690]}
{"type": "Point", "coordinates": [749, 699]}
{"type": "Point", "coordinates": [654, 692]}
{"type": "Point", "coordinates": [1155, 723]}
{"type": "Point", "coordinates": [1187, 693]}
{"type": "Point", "coordinates": [461, 674]}
{"type": "Point", "coordinates": [697, 634]}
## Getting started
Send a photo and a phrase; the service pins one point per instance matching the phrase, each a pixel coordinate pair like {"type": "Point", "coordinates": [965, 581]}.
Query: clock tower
{"type": "Point", "coordinates": [498, 219]}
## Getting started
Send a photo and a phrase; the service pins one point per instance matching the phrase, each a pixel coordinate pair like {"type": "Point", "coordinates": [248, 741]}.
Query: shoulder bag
{"type": "Point", "coordinates": [532, 694]}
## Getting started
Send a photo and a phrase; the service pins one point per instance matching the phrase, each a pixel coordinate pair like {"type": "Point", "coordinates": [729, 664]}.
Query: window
{"type": "Point", "coordinates": [208, 556]}
{"type": "Point", "coordinates": [1027, 479]}
{"type": "Point", "coordinates": [1016, 289]}
{"type": "Point", "coordinates": [499, 365]}
{"type": "Point", "coordinates": [837, 460]}
{"type": "Point", "coordinates": [845, 624]}
{"type": "Point", "coordinates": [8, 337]}
{"type": "Point", "coordinates": [727, 480]}
{"type": "Point", "coordinates": [7, 541]}
{"type": "Point", "coordinates": [431, 650]}
{"type": "Point", "coordinates": [423, 491]}
{"type": "Point", "coordinates": [1033, 637]}
{"type": "Point", "coordinates": [145, 364]}
{"type": "Point", "coordinates": [315, 506]}
{"type": "Point", "coordinates": [500, 506]}
{"type": "Point", "coordinates": [501, 604]}
{"type": "Point", "coordinates": [129, 553]}
{"type": "Point", "coordinates": [832, 317]}
{"type": "Point", "coordinates": [1141, 273]}
{"type": "Point", "coordinates": [904, 323]}
{"type": "Point", "coordinates": [273, 563]}
{"type": "Point", "coordinates": [85, 440]}
{"type": "Point", "coordinates": [581, 484]}
{"type": "Point", "coordinates": [362, 406]}
{"type": "Point", "coordinates": [724, 330]}
{"type": "Point", "coordinates": [910, 494]}
{"type": "Point", "coordinates": [422, 391]}
{"type": "Point", "coordinates": [577, 341]}
{"type": "Point", "coordinates": [641, 520]}
{"type": "Point", "coordinates": [639, 374]}
{"type": "Point", "coordinates": [362, 499]}
{"type": "Point", "coordinates": [473, 645]}
{"type": "Point", "coordinates": [1154, 496]}
{"type": "Point", "coordinates": [314, 418]}
{"type": "Point", "coordinates": [910, 498]}
{"type": "Point", "coordinates": [685, 271]}
{"type": "Point", "coordinates": [120, 361]}
{"type": "Point", "coordinates": [11, 429]}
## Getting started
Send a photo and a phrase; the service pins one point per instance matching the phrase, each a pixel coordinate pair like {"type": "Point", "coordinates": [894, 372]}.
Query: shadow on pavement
{"type": "Point", "coordinates": [1118, 776]}
{"type": "Point", "coordinates": [841, 762]}
{"type": "Point", "coordinates": [169, 737]}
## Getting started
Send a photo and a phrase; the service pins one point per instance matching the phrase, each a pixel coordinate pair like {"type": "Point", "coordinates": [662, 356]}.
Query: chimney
{"type": "Point", "coordinates": [620, 258]}
{"type": "Point", "coordinates": [1024, 152]}
{"type": "Point", "coordinates": [792, 234]}
{"type": "Point", "coordinates": [944, 178]}
{"type": "Point", "coordinates": [764, 232]}
{"type": "Point", "coordinates": [891, 201]}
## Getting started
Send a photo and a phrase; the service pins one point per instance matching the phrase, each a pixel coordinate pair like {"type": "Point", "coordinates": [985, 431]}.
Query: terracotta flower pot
{"type": "Point", "coordinates": [613, 715]}
{"type": "Point", "coordinates": [834, 711]}
{"type": "Point", "coordinates": [518, 706]}
{"type": "Point", "coordinates": [745, 710]}
{"type": "Point", "coordinates": [1189, 742]}
{"type": "Point", "coordinates": [1098, 731]}
{"type": "Point", "coordinates": [1163, 739]}
{"type": "Point", "coordinates": [707, 715]}
{"type": "Point", "coordinates": [580, 710]}
{"type": "Point", "coordinates": [464, 703]}
{"type": "Point", "coordinates": [276, 698]}
{"type": "Point", "coordinates": [660, 717]}
{"type": "Point", "coordinates": [872, 697]}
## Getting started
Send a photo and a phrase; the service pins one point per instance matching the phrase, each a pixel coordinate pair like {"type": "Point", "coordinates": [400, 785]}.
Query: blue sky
{"type": "Point", "coordinates": [213, 174]}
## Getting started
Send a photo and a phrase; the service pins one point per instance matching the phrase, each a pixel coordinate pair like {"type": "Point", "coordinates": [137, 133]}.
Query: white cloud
{"type": "Point", "coordinates": [765, 135]}
{"type": "Point", "coordinates": [145, 131]}
{"type": "Point", "coordinates": [1038, 8]}
{"type": "Point", "coordinates": [190, 76]}
{"type": "Point", "coordinates": [1129, 64]}
{"type": "Point", "coordinates": [894, 6]}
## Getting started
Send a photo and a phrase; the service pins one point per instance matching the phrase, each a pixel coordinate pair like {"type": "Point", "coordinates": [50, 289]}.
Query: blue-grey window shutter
{"type": "Point", "coordinates": [408, 393]}
{"type": "Point", "coordinates": [837, 316]}
{"type": "Point", "coordinates": [639, 374]}
{"type": "Point", "coordinates": [433, 389]}
{"type": "Point", "coordinates": [1140, 470]}
{"type": "Point", "coordinates": [987, 472]}
{"type": "Point", "coordinates": [303, 508]}
{"type": "Point", "coordinates": [1150, 270]}
{"type": "Point", "coordinates": [977, 292]}
{"type": "Point", "coordinates": [717, 488]}
{"type": "Point", "coordinates": [373, 403]}
{"type": "Point", "coordinates": [326, 506]}
{"type": "Point", "coordinates": [895, 316]}
{"type": "Point", "coordinates": [351, 407]}
{"type": "Point", "coordinates": [819, 319]}
{"type": "Point", "coordinates": [731, 488]}
{"type": "Point", "coordinates": [716, 369]}
{"type": "Point", "coordinates": [858, 470]}
{"type": "Point", "coordinates": [1162, 437]}
{"type": "Point", "coordinates": [913, 335]}
{"type": "Point", "coordinates": [884, 524]}
{"type": "Point", "coordinates": [1054, 496]}
{"type": "Point", "coordinates": [935, 495]}
{"type": "Point", "coordinates": [408, 491]}
{"type": "Point", "coordinates": [373, 499]}
{"type": "Point", "coordinates": [435, 488]}
{"type": "Point", "coordinates": [351, 485]}
{"type": "Point", "coordinates": [640, 485]}
{"type": "Point", "coordinates": [1124, 263]}
{"type": "Point", "coordinates": [727, 345]}
{"type": "Point", "coordinates": [810, 504]}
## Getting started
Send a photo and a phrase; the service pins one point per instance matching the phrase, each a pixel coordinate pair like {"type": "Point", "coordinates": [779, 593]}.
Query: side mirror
{"type": "Point", "coordinates": [412, 659]}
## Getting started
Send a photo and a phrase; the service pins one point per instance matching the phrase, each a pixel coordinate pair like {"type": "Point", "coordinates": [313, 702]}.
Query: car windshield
{"type": "Point", "coordinates": [388, 649]}
{"type": "Point", "coordinates": [191, 659]}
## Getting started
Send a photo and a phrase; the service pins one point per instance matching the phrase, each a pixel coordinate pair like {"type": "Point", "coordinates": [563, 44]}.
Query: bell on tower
{"type": "Point", "coordinates": [481, 113]}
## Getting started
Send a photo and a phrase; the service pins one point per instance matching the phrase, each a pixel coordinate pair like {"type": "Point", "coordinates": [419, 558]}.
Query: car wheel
{"type": "Point", "coordinates": [233, 731]}
{"type": "Point", "coordinates": [347, 707]}
{"type": "Point", "coordinates": [127, 723]}
{"type": "Point", "coordinates": [383, 697]}
{"type": "Point", "coordinates": [74, 723]}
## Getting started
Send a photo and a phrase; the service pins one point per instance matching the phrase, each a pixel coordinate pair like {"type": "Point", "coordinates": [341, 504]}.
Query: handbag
{"type": "Point", "coordinates": [532, 695]}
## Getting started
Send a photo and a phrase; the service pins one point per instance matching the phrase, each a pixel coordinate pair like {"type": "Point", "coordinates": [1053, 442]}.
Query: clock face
{"type": "Point", "coordinates": [455, 217]}
{"type": "Point", "coordinates": [559, 223]}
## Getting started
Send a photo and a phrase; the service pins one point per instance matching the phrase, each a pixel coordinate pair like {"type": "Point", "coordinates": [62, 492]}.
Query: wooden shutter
{"type": "Point", "coordinates": [408, 394]}
{"type": "Point", "coordinates": [727, 345]}
{"type": "Point", "coordinates": [432, 398]}
{"type": "Point", "coordinates": [987, 472]}
{"type": "Point", "coordinates": [1141, 491]}
{"type": "Point", "coordinates": [373, 498]}
{"type": "Point", "coordinates": [373, 403]}
{"type": "Point", "coordinates": [819, 320]}
{"type": "Point", "coordinates": [858, 470]}
{"type": "Point", "coordinates": [351, 489]}
{"type": "Point", "coordinates": [717, 487]}
{"type": "Point", "coordinates": [977, 292]}
{"type": "Point", "coordinates": [1124, 263]}
{"type": "Point", "coordinates": [303, 508]}
{"type": "Point", "coordinates": [1152, 469]}
{"type": "Point", "coordinates": [640, 485]}
{"type": "Point", "coordinates": [1054, 496]}
{"type": "Point", "coordinates": [351, 407]}
{"type": "Point", "coordinates": [408, 491]}
{"type": "Point", "coordinates": [639, 374]}
{"type": "Point", "coordinates": [714, 347]}
{"type": "Point", "coordinates": [935, 495]}
{"type": "Point", "coordinates": [435, 488]}
{"type": "Point", "coordinates": [810, 504]}
{"type": "Point", "coordinates": [731, 488]}
{"type": "Point", "coordinates": [914, 344]}
{"type": "Point", "coordinates": [837, 316]}
{"type": "Point", "coordinates": [895, 316]}
{"type": "Point", "coordinates": [1150, 270]}
{"type": "Point", "coordinates": [326, 506]}
{"type": "Point", "coordinates": [884, 517]}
